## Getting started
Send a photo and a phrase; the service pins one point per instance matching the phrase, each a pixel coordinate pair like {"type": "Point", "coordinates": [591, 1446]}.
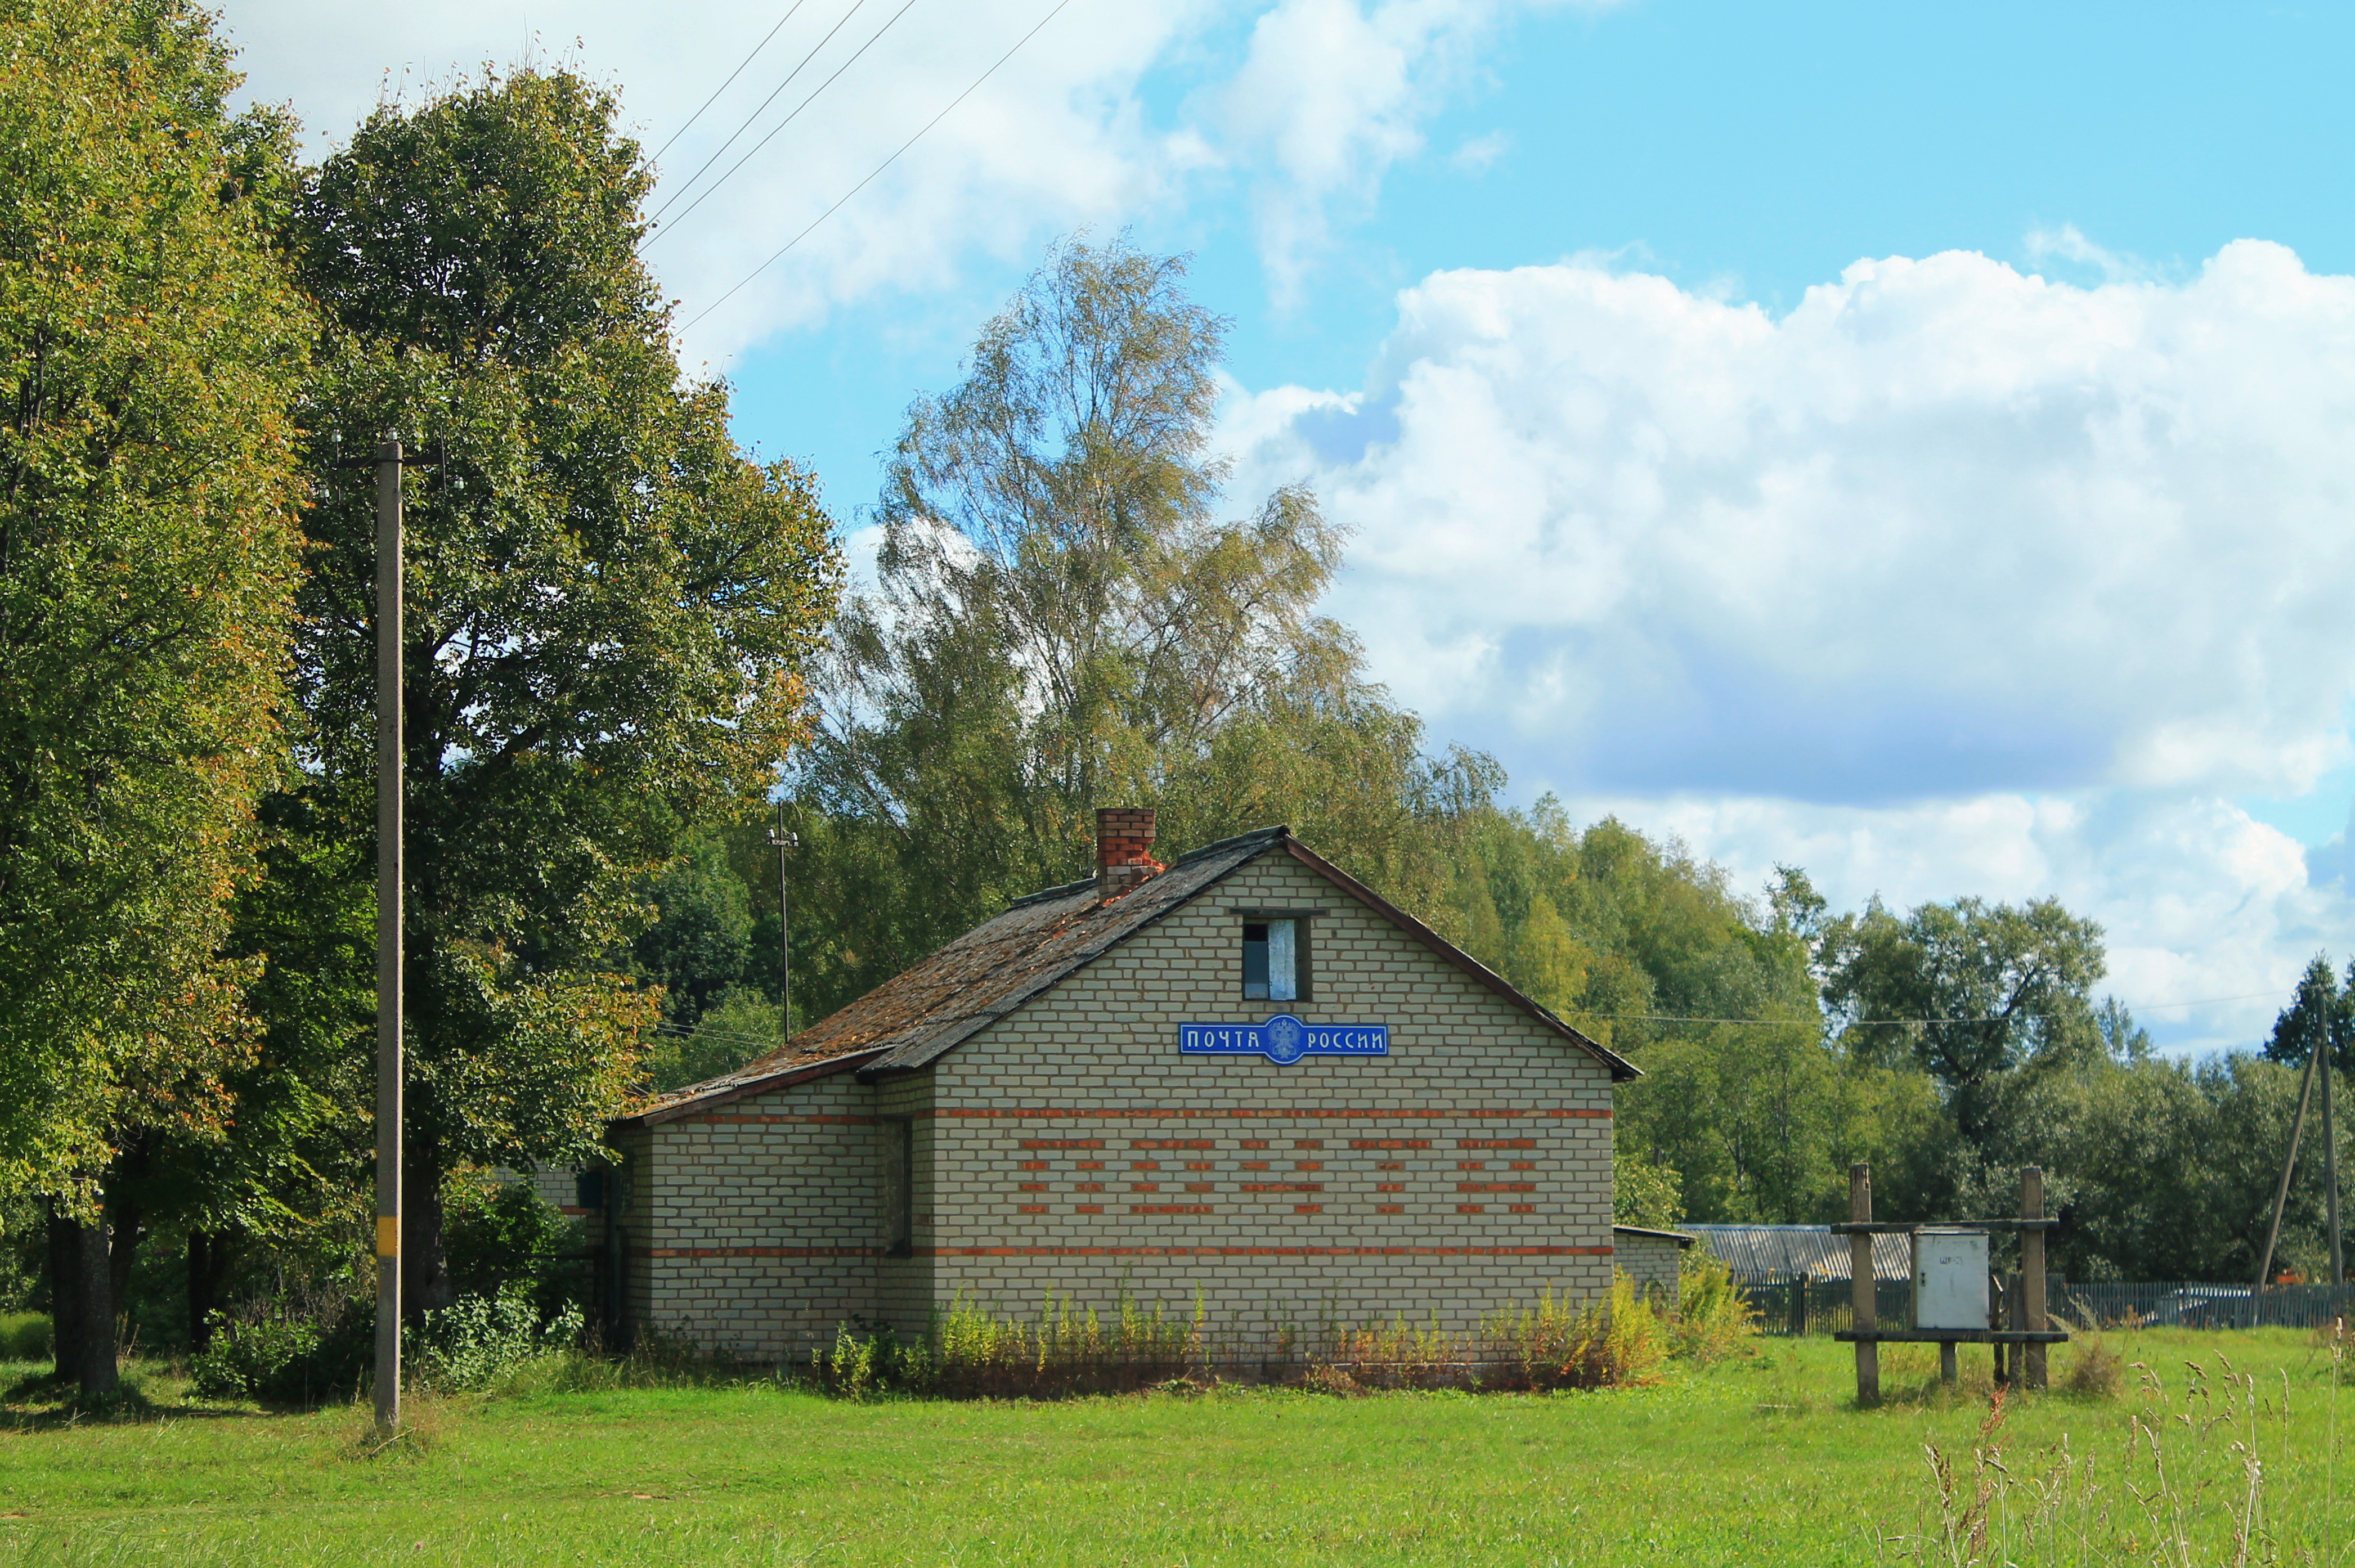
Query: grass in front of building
{"type": "Point", "coordinates": [1760, 1460]}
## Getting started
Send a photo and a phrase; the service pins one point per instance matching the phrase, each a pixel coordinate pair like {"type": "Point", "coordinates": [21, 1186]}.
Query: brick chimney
{"type": "Point", "coordinates": [1124, 848]}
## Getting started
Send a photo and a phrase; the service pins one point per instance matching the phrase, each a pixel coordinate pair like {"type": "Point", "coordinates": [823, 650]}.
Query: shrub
{"type": "Point", "coordinates": [2094, 1368]}
{"type": "Point", "coordinates": [24, 1337]}
{"type": "Point", "coordinates": [283, 1353]}
{"type": "Point", "coordinates": [1713, 1315]}
{"type": "Point", "coordinates": [499, 1235]}
{"type": "Point", "coordinates": [481, 1338]}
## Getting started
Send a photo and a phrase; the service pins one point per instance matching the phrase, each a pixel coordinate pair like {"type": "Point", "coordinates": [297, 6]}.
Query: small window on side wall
{"type": "Point", "coordinates": [1273, 967]}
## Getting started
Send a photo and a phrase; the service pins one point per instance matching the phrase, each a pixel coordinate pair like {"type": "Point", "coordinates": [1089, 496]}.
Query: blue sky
{"type": "Point", "coordinates": [1904, 440]}
{"type": "Point", "coordinates": [1748, 149]}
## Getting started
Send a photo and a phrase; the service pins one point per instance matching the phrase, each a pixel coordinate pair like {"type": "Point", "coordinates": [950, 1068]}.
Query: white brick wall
{"type": "Point", "coordinates": [1070, 1148]}
{"type": "Point", "coordinates": [1653, 1263]}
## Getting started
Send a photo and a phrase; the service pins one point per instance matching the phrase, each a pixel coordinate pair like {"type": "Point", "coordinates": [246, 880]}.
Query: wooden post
{"type": "Point", "coordinates": [1995, 1320]}
{"type": "Point", "coordinates": [1947, 1370]}
{"type": "Point", "coordinates": [2032, 1268]}
{"type": "Point", "coordinates": [1862, 1283]}
{"type": "Point", "coordinates": [2002, 1320]}
{"type": "Point", "coordinates": [2330, 1165]}
{"type": "Point", "coordinates": [2290, 1166]}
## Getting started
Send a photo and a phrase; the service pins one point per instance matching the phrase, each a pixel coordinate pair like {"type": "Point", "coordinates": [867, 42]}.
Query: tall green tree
{"type": "Point", "coordinates": [2320, 1011]}
{"type": "Point", "coordinates": [1987, 998]}
{"type": "Point", "coordinates": [608, 602]}
{"type": "Point", "coordinates": [150, 344]}
{"type": "Point", "coordinates": [1067, 617]}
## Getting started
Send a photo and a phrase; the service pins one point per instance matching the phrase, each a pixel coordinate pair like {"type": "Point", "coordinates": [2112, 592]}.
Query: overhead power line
{"type": "Point", "coordinates": [878, 168]}
{"type": "Point", "coordinates": [1991, 1019]}
{"type": "Point", "coordinates": [758, 110]}
{"type": "Point", "coordinates": [732, 75]}
{"type": "Point", "coordinates": [754, 151]}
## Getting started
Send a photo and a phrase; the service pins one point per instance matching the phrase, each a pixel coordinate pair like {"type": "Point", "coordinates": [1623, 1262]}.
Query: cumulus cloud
{"type": "Point", "coordinates": [1331, 95]}
{"type": "Point", "coordinates": [1307, 104]}
{"type": "Point", "coordinates": [1954, 579]}
{"type": "Point", "coordinates": [2208, 915]}
{"type": "Point", "coordinates": [1944, 530]}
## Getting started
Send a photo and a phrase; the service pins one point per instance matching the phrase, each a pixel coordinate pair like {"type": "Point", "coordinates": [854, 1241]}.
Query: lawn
{"type": "Point", "coordinates": [1759, 1459]}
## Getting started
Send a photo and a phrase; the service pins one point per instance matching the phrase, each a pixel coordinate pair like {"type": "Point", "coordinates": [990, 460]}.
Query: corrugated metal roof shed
{"type": "Point", "coordinates": [1771, 1255]}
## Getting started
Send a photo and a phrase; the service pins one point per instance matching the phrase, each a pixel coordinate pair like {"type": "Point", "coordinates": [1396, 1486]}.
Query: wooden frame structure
{"type": "Point", "coordinates": [2034, 1331]}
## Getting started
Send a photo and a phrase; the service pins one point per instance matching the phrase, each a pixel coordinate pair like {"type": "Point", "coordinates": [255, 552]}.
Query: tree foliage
{"type": "Point", "coordinates": [1064, 618]}
{"type": "Point", "coordinates": [150, 347]}
{"type": "Point", "coordinates": [607, 602]}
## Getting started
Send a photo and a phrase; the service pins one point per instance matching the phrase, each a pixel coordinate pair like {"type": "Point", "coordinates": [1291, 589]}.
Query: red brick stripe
{"type": "Point", "coordinates": [700, 1252]}
{"type": "Point", "coordinates": [1182, 1112]}
{"type": "Point", "coordinates": [756, 1252]}
{"type": "Point", "coordinates": [717, 1118]}
{"type": "Point", "coordinates": [1263, 1252]}
{"type": "Point", "coordinates": [1481, 1143]}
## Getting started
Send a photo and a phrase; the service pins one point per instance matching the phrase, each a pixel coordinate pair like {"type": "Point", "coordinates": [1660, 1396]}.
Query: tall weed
{"type": "Point", "coordinates": [2187, 1485]}
{"type": "Point", "coordinates": [1713, 1318]}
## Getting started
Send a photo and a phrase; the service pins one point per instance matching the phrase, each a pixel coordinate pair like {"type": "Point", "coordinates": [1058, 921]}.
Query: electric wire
{"type": "Point", "coordinates": [724, 86]}
{"type": "Point", "coordinates": [754, 151]}
{"type": "Point", "coordinates": [878, 168]}
{"type": "Point", "coordinates": [758, 110]}
{"type": "Point", "coordinates": [702, 1032]}
{"type": "Point", "coordinates": [1992, 1019]}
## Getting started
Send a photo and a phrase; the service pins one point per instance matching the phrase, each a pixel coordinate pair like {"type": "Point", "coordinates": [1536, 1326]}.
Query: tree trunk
{"type": "Point", "coordinates": [95, 1349]}
{"type": "Point", "coordinates": [65, 1293]}
{"type": "Point", "coordinates": [425, 1283]}
{"type": "Point", "coordinates": [208, 1272]}
{"type": "Point", "coordinates": [123, 1226]}
{"type": "Point", "coordinates": [208, 1258]}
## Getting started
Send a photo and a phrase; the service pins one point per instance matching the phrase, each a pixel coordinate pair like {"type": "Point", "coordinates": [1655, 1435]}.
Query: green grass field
{"type": "Point", "coordinates": [1760, 1460]}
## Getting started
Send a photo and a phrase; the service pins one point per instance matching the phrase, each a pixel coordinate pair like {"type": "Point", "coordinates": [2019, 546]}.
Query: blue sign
{"type": "Point", "coordinates": [1284, 1038]}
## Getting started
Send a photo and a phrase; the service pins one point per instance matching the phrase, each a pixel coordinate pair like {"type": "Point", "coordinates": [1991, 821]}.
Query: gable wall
{"type": "Point", "coordinates": [1076, 1150]}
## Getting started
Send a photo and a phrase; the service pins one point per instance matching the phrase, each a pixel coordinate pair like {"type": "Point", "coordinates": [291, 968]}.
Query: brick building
{"type": "Point", "coordinates": [1244, 1075]}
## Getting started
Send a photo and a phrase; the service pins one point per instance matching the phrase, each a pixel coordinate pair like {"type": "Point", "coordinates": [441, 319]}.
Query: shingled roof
{"type": "Point", "coordinates": [911, 1020]}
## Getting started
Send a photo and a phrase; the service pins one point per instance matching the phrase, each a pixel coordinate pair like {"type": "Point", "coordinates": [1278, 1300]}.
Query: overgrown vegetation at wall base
{"type": "Point", "coordinates": [1065, 1349]}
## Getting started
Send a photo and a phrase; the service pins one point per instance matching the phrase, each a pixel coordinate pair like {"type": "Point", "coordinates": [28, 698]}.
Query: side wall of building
{"type": "Point", "coordinates": [1653, 1263]}
{"type": "Point", "coordinates": [755, 1229]}
{"type": "Point", "coordinates": [1077, 1151]}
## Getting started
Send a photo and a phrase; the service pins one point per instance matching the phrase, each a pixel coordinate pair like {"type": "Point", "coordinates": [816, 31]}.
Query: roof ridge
{"type": "Point", "coordinates": [1069, 889]}
{"type": "Point", "coordinates": [1271, 835]}
{"type": "Point", "coordinates": [1048, 895]}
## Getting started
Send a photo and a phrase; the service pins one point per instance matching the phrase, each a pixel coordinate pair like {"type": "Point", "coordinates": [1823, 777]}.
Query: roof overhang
{"type": "Point", "coordinates": [726, 1092]}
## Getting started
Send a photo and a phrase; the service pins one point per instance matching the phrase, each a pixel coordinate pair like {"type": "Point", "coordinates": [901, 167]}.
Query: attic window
{"type": "Point", "coordinates": [1272, 960]}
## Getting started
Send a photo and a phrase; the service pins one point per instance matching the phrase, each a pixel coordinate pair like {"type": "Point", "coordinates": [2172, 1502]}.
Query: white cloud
{"type": "Point", "coordinates": [1944, 530]}
{"type": "Point", "coordinates": [1952, 581]}
{"type": "Point", "coordinates": [1308, 106]}
{"type": "Point", "coordinates": [2200, 903]}
{"type": "Point", "coordinates": [1334, 93]}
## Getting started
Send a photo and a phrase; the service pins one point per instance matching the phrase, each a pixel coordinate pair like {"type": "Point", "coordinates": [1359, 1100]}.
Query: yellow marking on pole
{"type": "Point", "coordinates": [388, 1235]}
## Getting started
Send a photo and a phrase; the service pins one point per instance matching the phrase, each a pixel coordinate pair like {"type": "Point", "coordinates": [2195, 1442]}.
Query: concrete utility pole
{"type": "Point", "coordinates": [388, 462]}
{"type": "Point", "coordinates": [389, 953]}
{"type": "Point", "coordinates": [783, 842]}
